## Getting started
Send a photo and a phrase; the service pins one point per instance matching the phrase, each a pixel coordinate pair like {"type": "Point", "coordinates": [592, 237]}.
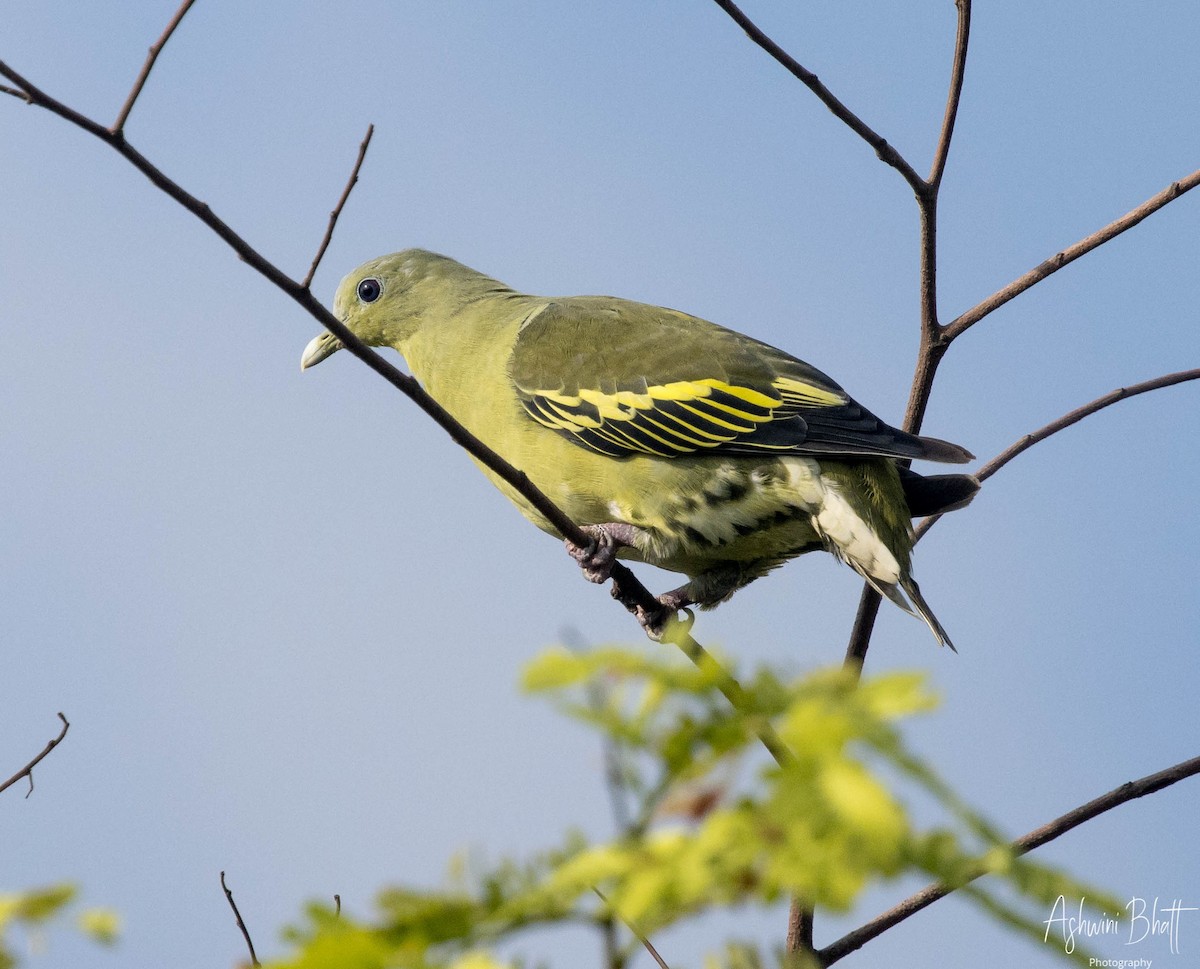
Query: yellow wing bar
{"type": "Point", "coordinates": [806, 395]}
{"type": "Point", "coordinates": [681, 417]}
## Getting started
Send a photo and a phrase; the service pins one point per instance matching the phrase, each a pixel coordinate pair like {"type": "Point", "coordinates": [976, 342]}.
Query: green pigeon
{"type": "Point", "coordinates": [671, 440]}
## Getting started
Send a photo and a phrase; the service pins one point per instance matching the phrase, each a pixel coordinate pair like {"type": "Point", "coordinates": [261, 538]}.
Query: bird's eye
{"type": "Point", "coordinates": [369, 290]}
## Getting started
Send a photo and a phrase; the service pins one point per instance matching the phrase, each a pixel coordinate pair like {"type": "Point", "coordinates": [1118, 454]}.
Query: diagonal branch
{"type": "Point", "coordinates": [1074, 417]}
{"type": "Point", "coordinates": [305, 298]}
{"type": "Point", "coordinates": [306, 282]}
{"type": "Point", "coordinates": [1056, 262]}
{"type": "Point", "coordinates": [27, 770]}
{"type": "Point", "coordinates": [1128, 791]}
{"type": "Point", "coordinates": [123, 115]}
{"type": "Point", "coordinates": [885, 151]}
{"type": "Point", "coordinates": [626, 587]}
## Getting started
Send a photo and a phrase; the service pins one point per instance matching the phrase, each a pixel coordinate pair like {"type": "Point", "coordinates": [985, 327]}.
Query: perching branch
{"type": "Point", "coordinates": [240, 924]}
{"type": "Point", "coordinates": [626, 587]}
{"type": "Point", "coordinates": [27, 770]}
{"type": "Point", "coordinates": [1128, 791]}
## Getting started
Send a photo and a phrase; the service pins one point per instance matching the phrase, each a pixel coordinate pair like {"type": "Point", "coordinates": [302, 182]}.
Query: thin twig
{"type": "Point", "coordinates": [636, 934]}
{"type": "Point", "coordinates": [123, 115]}
{"type": "Point", "coordinates": [883, 149]}
{"type": "Point", "coordinates": [1129, 791]}
{"type": "Point", "coordinates": [957, 73]}
{"type": "Point", "coordinates": [1074, 417]}
{"type": "Point", "coordinates": [240, 924]}
{"type": "Point", "coordinates": [1056, 262]}
{"type": "Point", "coordinates": [27, 770]}
{"type": "Point", "coordinates": [337, 209]}
{"type": "Point", "coordinates": [5, 89]}
{"type": "Point", "coordinates": [678, 635]}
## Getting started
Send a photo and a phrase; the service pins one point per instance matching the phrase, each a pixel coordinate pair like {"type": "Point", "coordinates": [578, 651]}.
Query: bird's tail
{"type": "Point", "coordinates": [936, 494]}
{"type": "Point", "coordinates": [907, 595]}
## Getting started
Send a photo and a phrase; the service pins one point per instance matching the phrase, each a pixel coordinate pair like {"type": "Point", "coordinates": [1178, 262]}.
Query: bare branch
{"type": "Point", "coordinates": [626, 587]}
{"type": "Point", "coordinates": [636, 934]}
{"type": "Point", "coordinates": [1074, 417]}
{"type": "Point", "coordinates": [240, 924]}
{"type": "Point", "coordinates": [27, 770]}
{"type": "Point", "coordinates": [678, 634]}
{"type": "Point", "coordinates": [5, 89]}
{"type": "Point", "coordinates": [1056, 262]}
{"type": "Point", "coordinates": [957, 72]}
{"type": "Point", "coordinates": [885, 151]}
{"type": "Point", "coordinates": [337, 209]}
{"type": "Point", "coordinates": [1128, 791]}
{"type": "Point", "coordinates": [123, 115]}
{"type": "Point", "coordinates": [868, 604]}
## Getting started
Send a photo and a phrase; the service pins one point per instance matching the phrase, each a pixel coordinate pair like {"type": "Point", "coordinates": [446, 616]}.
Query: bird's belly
{"type": "Point", "coordinates": [695, 514]}
{"type": "Point", "coordinates": [692, 514]}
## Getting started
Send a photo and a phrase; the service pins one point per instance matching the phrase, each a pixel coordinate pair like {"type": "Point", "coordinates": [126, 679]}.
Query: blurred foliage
{"type": "Point", "coordinates": [35, 911]}
{"type": "Point", "coordinates": [821, 826]}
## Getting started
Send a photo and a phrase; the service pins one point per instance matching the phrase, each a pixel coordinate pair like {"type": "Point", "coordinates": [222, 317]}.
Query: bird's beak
{"type": "Point", "coordinates": [318, 349]}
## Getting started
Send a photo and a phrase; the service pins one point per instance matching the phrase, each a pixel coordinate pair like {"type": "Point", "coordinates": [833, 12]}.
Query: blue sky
{"type": "Point", "coordinates": [286, 617]}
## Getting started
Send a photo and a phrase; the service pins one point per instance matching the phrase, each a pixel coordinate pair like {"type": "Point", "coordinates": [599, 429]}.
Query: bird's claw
{"type": "Point", "coordinates": [597, 558]}
{"type": "Point", "coordinates": [664, 625]}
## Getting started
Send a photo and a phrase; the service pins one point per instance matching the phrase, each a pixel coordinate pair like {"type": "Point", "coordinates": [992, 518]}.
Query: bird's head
{"type": "Point", "coordinates": [385, 301]}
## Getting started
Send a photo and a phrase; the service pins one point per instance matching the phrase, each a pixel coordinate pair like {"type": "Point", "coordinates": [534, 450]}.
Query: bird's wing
{"type": "Point", "coordinates": [628, 379]}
